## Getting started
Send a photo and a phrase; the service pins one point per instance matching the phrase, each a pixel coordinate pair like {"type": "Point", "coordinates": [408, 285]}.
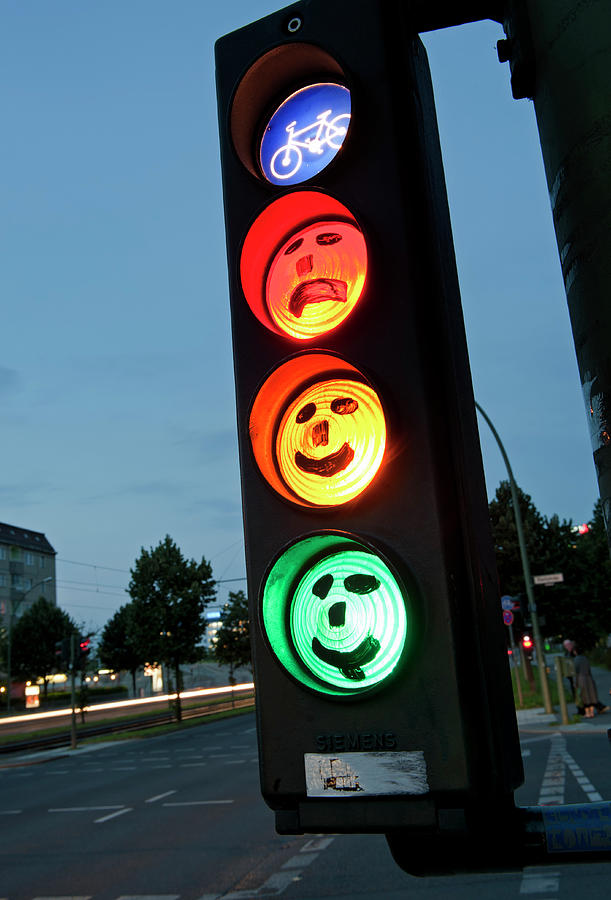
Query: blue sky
{"type": "Point", "coordinates": [116, 383]}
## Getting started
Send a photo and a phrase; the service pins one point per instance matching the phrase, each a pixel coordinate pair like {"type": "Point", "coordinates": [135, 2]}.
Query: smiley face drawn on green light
{"type": "Point", "coordinates": [336, 616]}
{"type": "Point", "coordinates": [348, 621]}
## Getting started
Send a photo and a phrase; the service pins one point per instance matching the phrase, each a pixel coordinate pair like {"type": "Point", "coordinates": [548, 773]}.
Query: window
{"type": "Point", "coordinates": [16, 553]}
{"type": "Point", "coordinates": [2, 552]}
{"type": "Point", "coordinates": [3, 581]}
{"type": "Point", "coordinates": [21, 583]}
{"type": "Point", "coordinates": [41, 562]}
{"type": "Point", "coordinates": [29, 559]}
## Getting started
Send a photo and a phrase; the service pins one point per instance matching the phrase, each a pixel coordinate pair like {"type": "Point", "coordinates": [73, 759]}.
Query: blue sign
{"type": "Point", "coordinates": [305, 133]}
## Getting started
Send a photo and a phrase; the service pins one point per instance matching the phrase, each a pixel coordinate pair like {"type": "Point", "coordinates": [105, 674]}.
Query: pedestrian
{"type": "Point", "coordinates": [585, 684]}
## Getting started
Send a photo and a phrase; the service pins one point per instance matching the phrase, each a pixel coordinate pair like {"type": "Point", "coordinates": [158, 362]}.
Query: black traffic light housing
{"type": "Point", "coordinates": [443, 716]}
{"type": "Point", "coordinates": [62, 654]}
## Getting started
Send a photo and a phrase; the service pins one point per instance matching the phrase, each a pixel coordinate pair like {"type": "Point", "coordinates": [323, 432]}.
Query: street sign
{"type": "Point", "coordinates": [507, 617]}
{"type": "Point", "coordinates": [507, 602]}
{"type": "Point", "coordinates": [554, 578]}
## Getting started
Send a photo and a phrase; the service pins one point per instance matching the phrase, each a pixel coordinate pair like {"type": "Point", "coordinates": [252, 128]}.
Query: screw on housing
{"type": "Point", "coordinates": [294, 25]}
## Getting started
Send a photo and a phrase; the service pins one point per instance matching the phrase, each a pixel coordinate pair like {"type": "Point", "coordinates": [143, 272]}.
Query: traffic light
{"type": "Point", "coordinates": [382, 689]}
{"type": "Point", "coordinates": [62, 654]}
{"type": "Point", "coordinates": [82, 654]}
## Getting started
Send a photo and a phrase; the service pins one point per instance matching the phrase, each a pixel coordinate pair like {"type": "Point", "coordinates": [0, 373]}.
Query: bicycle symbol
{"type": "Point", "coordinates": [322, 134]}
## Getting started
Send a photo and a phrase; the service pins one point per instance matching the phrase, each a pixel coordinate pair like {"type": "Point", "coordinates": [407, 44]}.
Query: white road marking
{"type": "Point", "coordinates": [191, 765]}
{"type": "Point", "coordinates": [10, 812]}
{"type": "Point", "coordinates": [234, 762]}
{"type": "Point", "coordinates": [82, 808]}
{"type": "Point", "coordinates": [552, 786]}
{"type": "Point", "coordinates": [301, 859]}
{"type": "Point", "coordinates": [159, 797]}
{"type": "Point", "coordinates": [539, 881]}
{"type": "Point", "coordinates": [275, 884]}
{"type": "Point", "coordinates": [318, 843]}
{"type": "Point", "coordinates": [149, 897]}
{"type": "Point", "coordinates": [119, 812]}
{"type": "Point", "coordinates": [198, 803]}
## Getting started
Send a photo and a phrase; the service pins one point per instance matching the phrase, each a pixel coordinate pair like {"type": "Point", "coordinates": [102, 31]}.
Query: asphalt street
{"type": "Point", "coordinates": [179, 817]}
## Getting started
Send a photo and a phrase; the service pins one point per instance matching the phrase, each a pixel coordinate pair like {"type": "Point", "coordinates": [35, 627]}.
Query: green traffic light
{"type": "Point", "coordinates": [335, 615]}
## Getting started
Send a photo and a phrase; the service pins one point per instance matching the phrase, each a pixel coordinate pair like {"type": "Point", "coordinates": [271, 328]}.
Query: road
{"type": "Point", "coordinates": [179, 817]}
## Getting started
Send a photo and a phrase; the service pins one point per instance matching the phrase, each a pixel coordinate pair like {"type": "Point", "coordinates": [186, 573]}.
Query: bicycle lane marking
{"type": "Point", "coordinates": [539, 879]}
{"type": "Point", "coordinates": [290, 872]}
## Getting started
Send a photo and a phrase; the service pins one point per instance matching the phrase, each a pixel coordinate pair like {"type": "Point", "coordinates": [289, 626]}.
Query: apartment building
{"type": "Point", "coordinates": [27, 570]}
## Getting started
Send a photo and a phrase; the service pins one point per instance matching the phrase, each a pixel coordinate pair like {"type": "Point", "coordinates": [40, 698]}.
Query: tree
{"type": "Point", "coordinates": [33, 639]}
{"type": "Point", "coordinates": [232, 643]}
{"type": "Point", "coordinates": [169, 595]}
{"type": "Point", "coordinates": [507, 550]}
{"type": "Point", "coordinates": [578, 607]}
{"type": "Point", "coordinates": [118, 648]}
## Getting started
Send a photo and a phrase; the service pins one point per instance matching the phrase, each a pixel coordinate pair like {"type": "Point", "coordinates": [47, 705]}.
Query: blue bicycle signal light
{"type": "Point", "coordinates": [305, 133]}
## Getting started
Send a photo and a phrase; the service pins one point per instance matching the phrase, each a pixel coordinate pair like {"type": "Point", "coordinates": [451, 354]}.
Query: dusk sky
{"type": "Point", "coordinates": [116, 384]}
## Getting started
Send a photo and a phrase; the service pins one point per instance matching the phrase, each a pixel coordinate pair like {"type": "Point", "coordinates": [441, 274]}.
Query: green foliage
{"type": "Point", "coordinates": [33, 639]}
{"type": "Point", "coordinates": [169, 595]}
{"type": "Point", "coordinates": [577, 608]}
{"type": "Point", "coordinates": [232, 643]}
{"type": "Point", "coordinates": [118, 648]}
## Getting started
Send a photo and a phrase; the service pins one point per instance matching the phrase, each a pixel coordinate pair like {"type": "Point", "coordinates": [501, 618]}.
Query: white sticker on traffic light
{"type": "Point", "coordinates": [366, 774]}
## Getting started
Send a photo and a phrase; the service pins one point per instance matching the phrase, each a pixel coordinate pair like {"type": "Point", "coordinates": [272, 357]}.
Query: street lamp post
{"type": "Point", "coordinates": [9, 634]}
{"type": "Point", "coordinates": [532, 608]}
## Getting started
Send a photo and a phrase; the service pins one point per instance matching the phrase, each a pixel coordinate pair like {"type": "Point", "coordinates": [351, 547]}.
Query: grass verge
{"type": "Point", "coordinates": [7, 739]}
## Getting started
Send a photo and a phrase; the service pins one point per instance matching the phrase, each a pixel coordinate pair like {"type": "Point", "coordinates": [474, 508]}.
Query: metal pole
{"type": "Point", "coordinates": [516, 667]}
{"type": "Point", "coordinates": [560, 55]}
{"type": "Point", "coordinates": [560, 685]}
{"type": "Point", "coordinates": [9, 610]}
{"type": "Point", "coordinates": [532, 608]}
{"type": "Point", "coordinates": [73, 691]}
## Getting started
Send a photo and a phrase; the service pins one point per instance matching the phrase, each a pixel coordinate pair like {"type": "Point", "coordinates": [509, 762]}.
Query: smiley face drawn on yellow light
{"type": "Point", "coordinates": [330, 441]}
{"type": "Point", "coordinates": [316, 278]}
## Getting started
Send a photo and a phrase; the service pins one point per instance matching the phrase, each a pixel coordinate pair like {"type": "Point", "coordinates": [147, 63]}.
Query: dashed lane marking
{"type": "Point", "coordinates": [62, 809]}
{"type": "Point", "coordinates": [159, 797]}
{"type": "Point", "coordinates": [149, 897]}
{"type": "Point", "coordinates": [119, 812]}
{"type": "Point", "coordinates": [199, 803]}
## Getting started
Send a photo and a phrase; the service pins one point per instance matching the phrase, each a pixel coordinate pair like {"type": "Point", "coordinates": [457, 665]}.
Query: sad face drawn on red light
{"type": "Point", "coordinates": [316, 278]}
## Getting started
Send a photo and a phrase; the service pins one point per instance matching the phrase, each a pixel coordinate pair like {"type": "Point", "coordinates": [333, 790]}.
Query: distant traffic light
{"type": "Point", "coordinates": [62, 654]}
{"type": "Point", "coordinates": [83, 651]}
{"type": "Point", "coordinates": [527, 642]}
{"type": "Point", "coordinates": [383, 696]}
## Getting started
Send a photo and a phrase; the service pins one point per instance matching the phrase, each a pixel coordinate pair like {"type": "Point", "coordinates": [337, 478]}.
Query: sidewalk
{"type": "Point", "coordinates": [537, 720]}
